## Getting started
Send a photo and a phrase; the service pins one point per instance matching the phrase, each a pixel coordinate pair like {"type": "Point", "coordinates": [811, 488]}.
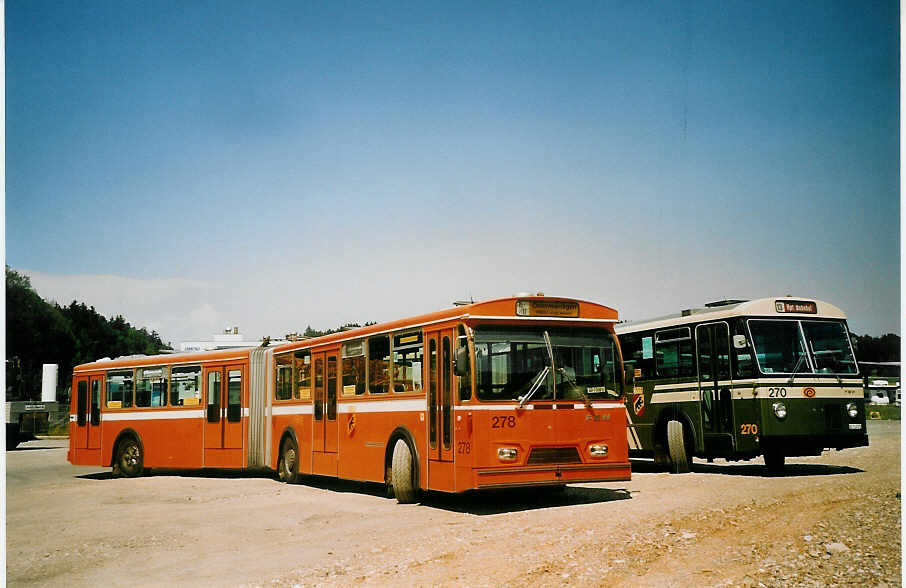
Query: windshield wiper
{"type": "Point", "coordinates": [796, 368]}
{"type": "Point", "coordinates": [535, 385]}
{"type": "Point", "coordinates": [541, 375]}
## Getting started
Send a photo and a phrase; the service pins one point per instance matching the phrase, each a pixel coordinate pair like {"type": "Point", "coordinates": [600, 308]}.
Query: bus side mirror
{"type": "Point", "coordinates": [739, 341]}
{"type": "Point", "coordinates": [461, 362]}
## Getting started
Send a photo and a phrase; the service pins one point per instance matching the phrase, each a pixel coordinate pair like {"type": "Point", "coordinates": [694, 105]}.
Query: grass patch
{"type": "Point", "coordinates": [883, 412]}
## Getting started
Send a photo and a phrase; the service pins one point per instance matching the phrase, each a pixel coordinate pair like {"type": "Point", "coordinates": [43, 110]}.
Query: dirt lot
{"type": "Point", "coordinates": [832, 520]}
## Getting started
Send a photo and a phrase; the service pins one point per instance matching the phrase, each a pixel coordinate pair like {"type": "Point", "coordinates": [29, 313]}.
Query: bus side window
{"type": "Point", "coordinates": [302, 375]}
{"type": "Point", "coordinates": [673, 349]}
{"type": "Point", "coordinates": [407, 362]}
{"type": "Point", "coordinates": [744, 364]}
{"type": "Point", "coordinates": [379, 364]}
{"type": "Point", "coordinates": [465, 381]}
{"type": "Point", "coordinates": [631, 346]}
{"type": "Point", "coordinates": [283, 375]}
{"type": "Point", "coordinates": [185, 385]}
{"type": "Point", "coordinates": [354, 368]}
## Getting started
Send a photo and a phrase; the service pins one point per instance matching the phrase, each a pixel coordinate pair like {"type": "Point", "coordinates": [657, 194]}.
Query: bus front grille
{"type": "Point", "coordinates": [833, 416]}
{"type": "Point", "coordinates": [554, 455]}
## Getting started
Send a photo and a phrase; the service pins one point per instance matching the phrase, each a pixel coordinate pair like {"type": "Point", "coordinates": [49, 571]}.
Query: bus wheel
{"type": "Point", "coordinates": [286, 468]}
{"type": "Point", "coordinates": [774, 462]}
{"type": "Point", "coordinates": [129, 458]}
{"type": "Point", "coordinates": [401, 473]}
{"type": "Point", "coordinates": [661, 457]}
{"type": "Point", "coordinates": [677, 445]}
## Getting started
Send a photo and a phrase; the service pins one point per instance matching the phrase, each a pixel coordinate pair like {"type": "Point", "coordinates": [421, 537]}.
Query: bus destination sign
{"type": "Point", "coordinates": [798, 306]}
{"type": "Point", "coordinates": [547, 308]}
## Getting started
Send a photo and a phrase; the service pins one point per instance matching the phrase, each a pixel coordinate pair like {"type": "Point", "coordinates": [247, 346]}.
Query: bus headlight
{"type": "Point", "coordinates": [507, 453]}
{"type": "Point", "coordinates": [852, 410]}
{"type": "Point", "coordinates": [780, 410]}
{"type": "Point", "coordinates": [599, 450]}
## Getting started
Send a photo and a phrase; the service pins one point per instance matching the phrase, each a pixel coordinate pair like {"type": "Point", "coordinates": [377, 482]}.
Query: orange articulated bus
{"type": "Point", "coordinates": [522, 391]}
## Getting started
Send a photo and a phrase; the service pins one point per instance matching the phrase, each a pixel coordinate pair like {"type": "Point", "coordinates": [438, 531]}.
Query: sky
{"type": "Point", "coordinates": [277, 165]}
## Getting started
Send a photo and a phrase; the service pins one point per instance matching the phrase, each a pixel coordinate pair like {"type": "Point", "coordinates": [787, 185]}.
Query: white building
{"type": "Point", "coordinates": [229, 339]}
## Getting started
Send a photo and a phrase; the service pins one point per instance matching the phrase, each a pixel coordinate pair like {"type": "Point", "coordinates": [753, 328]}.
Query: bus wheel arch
{"type": "Point", "coordinates": [408, 483]}
{"type": "Point", "coordinates": [128, 456]}
{"type": "Point", "coordinates": [288, 450]}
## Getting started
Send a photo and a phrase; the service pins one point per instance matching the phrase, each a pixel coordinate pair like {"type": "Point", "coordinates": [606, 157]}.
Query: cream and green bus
{"type": "Point", "coordinates": [774, 377]}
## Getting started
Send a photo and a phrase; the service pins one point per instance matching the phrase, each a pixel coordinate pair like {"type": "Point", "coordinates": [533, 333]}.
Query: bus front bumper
{"type": "Point", "coordinates": [552, 475]}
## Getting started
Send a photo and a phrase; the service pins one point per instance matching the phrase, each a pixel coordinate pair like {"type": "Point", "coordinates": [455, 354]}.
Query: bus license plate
{"type": "Point", "coordinates": [855, 425]}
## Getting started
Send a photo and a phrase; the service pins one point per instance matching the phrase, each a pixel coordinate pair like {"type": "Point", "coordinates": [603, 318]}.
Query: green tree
{"type": "Point", "coordinates": [39, 332]}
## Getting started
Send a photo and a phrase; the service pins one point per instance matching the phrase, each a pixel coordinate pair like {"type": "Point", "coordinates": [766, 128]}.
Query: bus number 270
{"type": "Point", "coordinates": [748, 429]}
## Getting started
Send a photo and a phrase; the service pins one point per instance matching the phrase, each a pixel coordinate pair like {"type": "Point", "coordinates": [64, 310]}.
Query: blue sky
{"type": "Point", "coordinates": [194, 165]}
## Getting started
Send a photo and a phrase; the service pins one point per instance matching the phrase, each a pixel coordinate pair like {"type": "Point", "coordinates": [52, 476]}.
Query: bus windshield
{"type": "Point", "coordinates": [780, 348]}
{"type": "Point", "coordinates": [830, 347]}
{"type": "Point", "coordinates": [512, 362]}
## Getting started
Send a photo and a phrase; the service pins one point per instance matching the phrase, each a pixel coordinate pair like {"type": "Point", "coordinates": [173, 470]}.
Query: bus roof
{"type": "Point", "coordinates": [501, 309]}
{"type": "Point", "coordinates": [165, 359]}
{"type": "Point", "coordinates": [780, 306]}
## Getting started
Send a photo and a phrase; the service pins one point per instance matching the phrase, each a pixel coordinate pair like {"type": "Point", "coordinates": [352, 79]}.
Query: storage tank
{"type": "Point", "coordinates": [49, 383]}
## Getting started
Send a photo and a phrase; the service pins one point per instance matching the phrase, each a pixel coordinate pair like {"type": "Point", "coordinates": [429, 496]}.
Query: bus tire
{"type": "Point", "coordinates": [661, 457]}
{"type": "Point", "coordinates": [129, 458]}
{"type": "Point", "coordinates": [12, 435]}
{"type": "Point", "coordinates": [774, 461]}
{"type": "Point", "coordinates": [401, 473]}
{"type": "Point", "coordinates": [288, 465]}
{"type": "Point", "coordinates": [676, 442]}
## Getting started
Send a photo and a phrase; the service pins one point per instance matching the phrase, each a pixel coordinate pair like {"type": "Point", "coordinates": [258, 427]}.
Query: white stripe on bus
{"type": "Point", "coordinates": [772, 382]}
{"type": "Point", "coordinates": [152, 415]}
{"type": "Point", "coordinates": [292, 409]}
{"type": "Point", "coordinates": [684, 396]}
{"type": "Point", "coordinates": [599, 405]}
{"type": "Point", "coordinates": [763, 392]}
{"type": "Point", "coordinates": [403, 405]}
{"type": "Point", "coordinates": [631, 435]}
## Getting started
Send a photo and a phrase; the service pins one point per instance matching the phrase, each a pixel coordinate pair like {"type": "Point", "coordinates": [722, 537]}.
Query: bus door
{"type": "Point", "coordinates": [715, 386]}
{"type": "Point", "coordinates": [439, 351]}
{"type": "Point", "coordinates": [223, 419]}
{"type": "Point", "coordinates": [79, 432]}
{"type": "Point", "coordinates": [94, 412]}
{"type": "Point", "coordinates": [325, 403]}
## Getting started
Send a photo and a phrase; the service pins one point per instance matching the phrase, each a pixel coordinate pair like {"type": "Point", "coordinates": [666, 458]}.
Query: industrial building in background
{"type": "Point", "coordinates": [27, 418]}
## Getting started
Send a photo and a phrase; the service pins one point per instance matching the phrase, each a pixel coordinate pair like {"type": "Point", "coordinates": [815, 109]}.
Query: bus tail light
{"type": "Point", "coordinates": [599, 450]}
{"type": "Point", "coordinates": [507, 453]}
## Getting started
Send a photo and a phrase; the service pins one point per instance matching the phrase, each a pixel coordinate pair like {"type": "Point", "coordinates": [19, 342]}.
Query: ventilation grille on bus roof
{"type": "Point", "coordinates": [724, 303]}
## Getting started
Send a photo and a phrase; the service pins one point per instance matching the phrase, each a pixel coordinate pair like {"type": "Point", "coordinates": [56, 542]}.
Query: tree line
{"type": "Point", "coordinates": [39, 332]}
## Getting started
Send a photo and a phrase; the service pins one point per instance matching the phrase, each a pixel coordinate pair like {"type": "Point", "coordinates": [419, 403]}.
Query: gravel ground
{"type": "Point", "coordinates": [832, 520]}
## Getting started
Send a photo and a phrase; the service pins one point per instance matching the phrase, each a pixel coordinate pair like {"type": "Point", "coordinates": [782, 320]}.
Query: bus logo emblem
{"type": "Point", "coordinates": [808, 392]}
{"type": "Point", "coordinates": [638, 404]}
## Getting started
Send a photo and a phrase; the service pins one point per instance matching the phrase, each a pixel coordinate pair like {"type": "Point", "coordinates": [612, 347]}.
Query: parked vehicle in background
{"type": "Point", "coordinates": [522, 391]}
{"type": "Point", "coordinates": [27, 418]}
{"type": "Point", "coordinates": [881, 381]}
{"type": "Point", "coordinates": [737, 379]}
